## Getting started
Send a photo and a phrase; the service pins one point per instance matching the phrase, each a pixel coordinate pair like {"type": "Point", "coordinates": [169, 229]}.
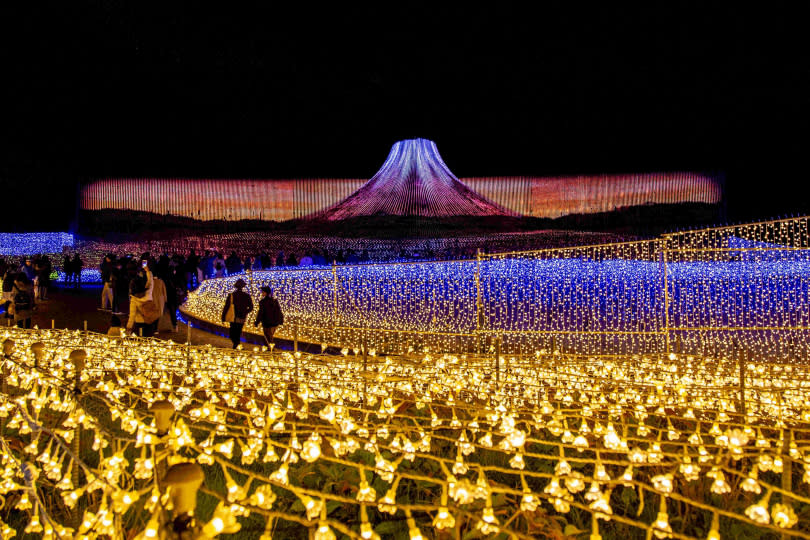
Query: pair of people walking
{"type": "Point", "coordinates": [239, 304]}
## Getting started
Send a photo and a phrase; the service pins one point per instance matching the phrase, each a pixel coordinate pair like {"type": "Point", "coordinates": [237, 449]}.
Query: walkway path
{"type": "Point", "coordinates": [70, 308]}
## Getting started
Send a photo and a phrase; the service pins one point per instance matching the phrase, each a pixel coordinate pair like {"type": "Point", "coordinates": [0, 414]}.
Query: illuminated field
{"type": "Point", "coordinates": [651, 297]}
{"type": "Point", "coordinates": [411, 446]}
{"type": "Point", "coordinates": [581, 417]}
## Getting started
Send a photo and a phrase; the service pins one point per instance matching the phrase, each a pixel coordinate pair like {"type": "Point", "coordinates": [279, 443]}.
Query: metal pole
{"type": "Point", "coordinates": [78, 363]}
{"type": "Point", "coordinates": [478, 306]}
{"type": "Point", "coordinates": [365, 369]}
{"type": "Point", "coordinates": [666, 298]}
{"type": "Point", "coordinates": [742, 384]}
{"type": "Point", "coordinates": [334, 294]}
{"type": "Point", "coordinates": [295, 337]}
{"type": "Point", "coordinates": [188, 347]}
{"type": "Point", "coordinates": [787, 469]}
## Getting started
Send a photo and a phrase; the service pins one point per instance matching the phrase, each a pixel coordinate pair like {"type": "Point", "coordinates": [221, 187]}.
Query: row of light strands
{"type": "Point", "coordinates": [556, 434]}
{"type": "Point", "coordinates": [710, 292]}
{"type": "Point", "coordinates": [92, 252]}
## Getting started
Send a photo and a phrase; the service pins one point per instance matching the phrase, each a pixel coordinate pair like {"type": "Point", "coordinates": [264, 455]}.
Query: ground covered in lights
{"type": "Point", "coordinates": [396, 446]}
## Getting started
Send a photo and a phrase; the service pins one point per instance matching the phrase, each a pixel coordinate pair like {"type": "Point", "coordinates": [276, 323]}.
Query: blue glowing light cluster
{"type": "Point", "coordinates": [18, 244]}
{"type": "Point", "coordinates": [639, 303]}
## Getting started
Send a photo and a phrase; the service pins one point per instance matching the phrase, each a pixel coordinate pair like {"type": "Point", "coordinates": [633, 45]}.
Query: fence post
{"type": "Point", "coordinates": [478, 306]}
{"type": "Point", "coordinates": [334, 294]}
{"type": "Point", "coordinates": [185, 480]}
{"type": "Point", "coordinates": [787, 466]}
{"type": "Point", "coordinates": [78, 358]}
{"type": "Point", "coordinates": [364, 345]}
{"type": "Point", "coordinates": [8, 350]}
{"type": "Point", "coordinates": [162, 412]}
{"type": "Point", "coordinates": [498, 359]}
{"type": "Point", "coordinates": [742, 362]}
{"type": "Point", "coordinates": [666, 299]}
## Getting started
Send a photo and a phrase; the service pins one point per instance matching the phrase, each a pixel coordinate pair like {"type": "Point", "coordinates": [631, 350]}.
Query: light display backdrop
{"type": "Point", "coordinates": [280, 200]}
{"type": "Point", "coordinates": [127, 438]}
{"type": "Point", "coordinates": [653, 296]}
{"type": "Point", "coordinates": [33, 243]}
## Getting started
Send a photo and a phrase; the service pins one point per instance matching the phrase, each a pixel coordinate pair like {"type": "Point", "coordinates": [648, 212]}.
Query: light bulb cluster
{"type": "Point", "coordinates": [92, 252]}
{"type": "Point", "coordinates": [744, 290]}
{"type": "Point", "coordinates": [32, 243]}
{"type": "Point", "coordinates": [340, 445]}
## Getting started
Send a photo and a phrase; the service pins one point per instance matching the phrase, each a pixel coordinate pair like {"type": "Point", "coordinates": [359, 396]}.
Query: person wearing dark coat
{"type": "Point", "coordinates": [77, 270]}
{"type": "Point", "coordinates": [269, 315]}
{"type": "Point", "coordinates": [23, 304]}
{"type": "Point", "coordinates": [242, 305]}
{"type": "Point", "coordinates": [8, 289]}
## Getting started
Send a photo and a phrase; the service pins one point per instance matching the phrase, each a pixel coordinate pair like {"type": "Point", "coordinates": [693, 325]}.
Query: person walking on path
{"type": "Point", "coordinates": [108, 292]}
{"type": "Point", "coordinates": [269, 315]}
{"type": "Point", "coordinates": [44, 269]}
{"type": "Point", "coordinates": [23, 303]}
{"type": "Point", "coordinates": [67, 268]}
{"type": "Point", "coordinates": [159, 294]}
{"type": "Point", "coordinates": [76, 265]}
{"type": "Point", "coordinates": [236, 309]}
{"type": "Point", "coordinates": [171, 281]}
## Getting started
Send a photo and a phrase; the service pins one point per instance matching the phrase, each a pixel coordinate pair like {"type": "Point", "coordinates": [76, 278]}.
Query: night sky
{"type": "Point", "coordinates": [120, 89]}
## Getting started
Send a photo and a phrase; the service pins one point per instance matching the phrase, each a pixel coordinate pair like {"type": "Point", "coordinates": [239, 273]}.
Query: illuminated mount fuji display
{"type": "Point", "coordinates": [413, 181]}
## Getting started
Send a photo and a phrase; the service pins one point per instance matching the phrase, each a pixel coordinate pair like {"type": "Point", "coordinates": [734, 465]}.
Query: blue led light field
{"type": "Point", "coordinates": [525, 297]}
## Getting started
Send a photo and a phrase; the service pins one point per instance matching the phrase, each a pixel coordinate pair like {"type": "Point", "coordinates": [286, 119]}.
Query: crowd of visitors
{"type": "Point", "coordinates": [153, 287]}
{"type": "Point", "coordinates": [72, 267]}
{"type": "Point", "coordinates": [273, 250]}
{"type": "Point", "coordinates": [24, 284]}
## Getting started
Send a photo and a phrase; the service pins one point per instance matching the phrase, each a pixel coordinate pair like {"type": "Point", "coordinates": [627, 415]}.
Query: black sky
{"type": "Point", "coordinates": [121, 89]}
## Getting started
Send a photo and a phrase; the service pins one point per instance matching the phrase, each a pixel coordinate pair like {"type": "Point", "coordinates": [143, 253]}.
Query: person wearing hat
{"type": "Point", "coordinates": [269, 315]}
{"type": "Point", "coordinates": [28, 269]}
{"type": "Point", "coordinates": [237, 306]}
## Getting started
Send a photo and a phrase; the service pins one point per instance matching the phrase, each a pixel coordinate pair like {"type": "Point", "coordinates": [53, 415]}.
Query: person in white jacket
{"type": "Point", "coordinates": [136, 322]}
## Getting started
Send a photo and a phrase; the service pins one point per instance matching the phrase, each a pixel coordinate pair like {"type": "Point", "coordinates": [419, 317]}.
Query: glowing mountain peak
{"type": "Point", "coordinates": [413, 181]}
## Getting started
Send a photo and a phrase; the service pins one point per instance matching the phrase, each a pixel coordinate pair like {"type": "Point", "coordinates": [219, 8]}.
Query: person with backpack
{"type": "Point", "coordinates": [269, 315]}
{"type": "Point", "coordinates": [143, 312]}
{"type": "Point", "coordinates": [236, 309]}
{"type": "Point", "coordinates": [23, 304]}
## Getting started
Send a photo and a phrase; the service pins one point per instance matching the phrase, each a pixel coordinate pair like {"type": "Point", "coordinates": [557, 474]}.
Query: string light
{"type": "Point", "coordinates": [707, 292]}
{"type": "Point", "coordinates": [432, 436]}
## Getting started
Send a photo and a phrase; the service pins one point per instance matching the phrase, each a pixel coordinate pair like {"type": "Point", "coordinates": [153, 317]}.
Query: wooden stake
{"type": "Point", "coordinates": [498, 359]}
